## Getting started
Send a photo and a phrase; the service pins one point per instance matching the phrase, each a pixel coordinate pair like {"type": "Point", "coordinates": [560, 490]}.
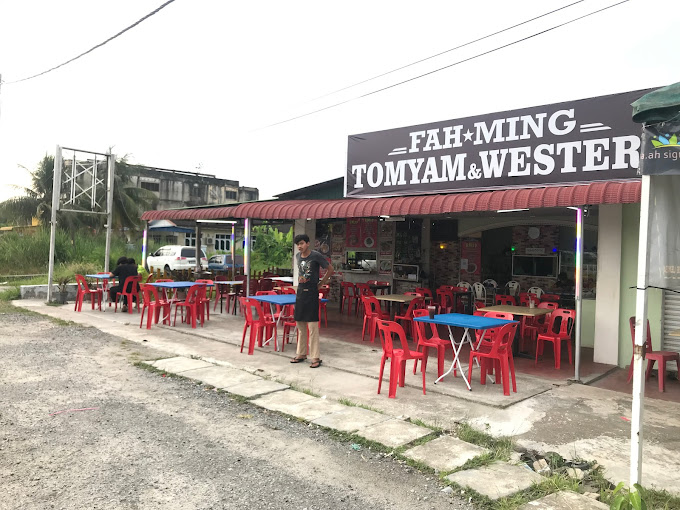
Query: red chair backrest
{"type": "Point", "coordinates": [265, 293]}
{"type": "Point", "coordinates": [501, 342]}
{"type": "Point", "coordinates": [421, 327]}
{"type": "Point", "coordinates": [413, 305]}
{"type": "Point", "coordinates": [362, 289]}
{"type": "Point", "coordinates": [566, 320]}
{"type": "Point", "coordinates": [348, 289]}
{"type": "Point", "coordinates": [504, 299]}
{"type": "Point", "coordinates": [425, 292]}
{"type": "Point", "coordinates": [193, 294]}
{"type": "Point", "coordinates": [289, 290]}
{"type": "Point", "coordinates": [149, 292]}
{"type": "Point", "coordinates": [132, 283]}
{"type": "Point", "coordinates": [82, 283]}
{"type": "Point", "coordinates": [550, 297]}
{"type": "Point", "coordinates": [387, 331]}
{"type": "Point", "coordinates": [488, 336]}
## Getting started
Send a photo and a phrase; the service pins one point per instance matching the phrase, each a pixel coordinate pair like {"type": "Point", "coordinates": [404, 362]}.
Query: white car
{"type": "Point", "coordinates": [174, 257]}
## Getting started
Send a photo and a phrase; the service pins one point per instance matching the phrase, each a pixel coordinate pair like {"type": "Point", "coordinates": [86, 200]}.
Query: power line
{"type": "Point", "coordinates": [447, 51]}
{"type": "Point", "coordinates": [97, 46]}
{"type": "Point", "coordinates": [442, 68]}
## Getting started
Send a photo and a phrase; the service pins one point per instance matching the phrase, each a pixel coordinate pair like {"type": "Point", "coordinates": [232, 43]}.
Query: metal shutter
{"type": "Point", "coordinates": [671, 320]}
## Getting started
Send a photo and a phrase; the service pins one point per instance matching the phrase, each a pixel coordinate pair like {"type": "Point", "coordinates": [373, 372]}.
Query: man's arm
{"type": "Point", "coordinates": [327, 276]}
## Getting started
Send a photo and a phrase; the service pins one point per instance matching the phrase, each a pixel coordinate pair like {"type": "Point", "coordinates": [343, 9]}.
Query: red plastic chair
{"type": "Point", "coordinates": [220, 291]}
{"type": "Point", "coordinates": [563, 334]}
{"type": "Point", "coordinates": [372, 312]}
{"type": "Point", "coordinates": [661, 357]}
{"type": "Point", "coordinates": [206, 297]}
{"type": "Point", "coordinates": [349, 296]}
{"type": "Point", "coordinates": [407, 317]}
{"type": "Point", "coordinates": [155, 305]}
{"type": "Point", "coordinates": [398, 356]}
{"type": "Point", "coordinates": [498, 351]}
{"type": "Point", "coordinates": [132, 295]}
{"type": "Point", "coordinates": [383, 290]}
{"type": "Point", "coordinates": [425, 342]}
{"type": "Point", "coordinates": [85, 290]}
{"type": "Point", "coordinates": [479, 304]}
{"type": "Point", "coordinates": [361, 289]}
{"type": "Point", "coordinates": [425, 292]}
{"type": "Point", "coordinates": [444, 299]}
{"type": "Point", "coordinates": [290, 290]}
{"type": "Point", "coordinates": [535, 325]}
{"type": "Point", "coordinates": [550, 297]}
{"type": "Point", "coordinates": [504, 299]}
{"type": "Point", "coordinates": [257, 322]}
{"type": "Point", "coordinates": [192, 306]}
{"type": "Point", "coordinates": [323, 308]}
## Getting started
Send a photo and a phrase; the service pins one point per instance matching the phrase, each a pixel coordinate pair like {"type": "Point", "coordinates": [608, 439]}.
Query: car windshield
{"type": "Point", "coordinates": [190, 252]}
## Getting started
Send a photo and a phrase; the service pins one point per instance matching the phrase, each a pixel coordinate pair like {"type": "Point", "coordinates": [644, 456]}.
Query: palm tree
{"type": "Point", "coordinates": [129, 201]}
{"type": "Point", "coordinates": [36, 201]}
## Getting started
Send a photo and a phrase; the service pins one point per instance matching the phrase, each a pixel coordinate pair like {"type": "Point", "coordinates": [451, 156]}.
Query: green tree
{"type": "Point", "coordinates": [272, 247]}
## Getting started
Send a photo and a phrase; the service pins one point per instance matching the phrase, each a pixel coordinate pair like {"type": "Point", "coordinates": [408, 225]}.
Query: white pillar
{"type": "Point", "coordinates": [608, 298]}
{"type": "Point", "coordinates": [303, 226]}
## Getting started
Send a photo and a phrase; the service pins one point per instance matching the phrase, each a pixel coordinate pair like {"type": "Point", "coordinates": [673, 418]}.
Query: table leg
{"type": "Point", "coordinates": [276, 324]}
{"type": "Point", "coordinates": [456, 356]}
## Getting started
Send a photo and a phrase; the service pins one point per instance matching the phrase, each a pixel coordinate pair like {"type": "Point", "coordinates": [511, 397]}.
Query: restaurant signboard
{"type": "Point", "coordinates": [573, 142]}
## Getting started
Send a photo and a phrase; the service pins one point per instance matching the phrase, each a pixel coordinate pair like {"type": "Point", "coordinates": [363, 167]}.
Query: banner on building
{"type": "Point", "coordinates": [664, 234]}
{"type": "Point", "coordinates": [660, 151]}
{"type": "Point", "coordinates": [573, 142]}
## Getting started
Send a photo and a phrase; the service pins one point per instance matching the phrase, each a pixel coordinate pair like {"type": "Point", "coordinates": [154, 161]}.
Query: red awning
{"type": "Point", "coordinates": [610, 192]}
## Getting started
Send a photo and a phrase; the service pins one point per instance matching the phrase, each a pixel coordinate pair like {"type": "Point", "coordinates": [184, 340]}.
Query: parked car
{"type": "Point", "coordinates": [174, 257]}
{"type": "Point", "coordinates": [223, 262]}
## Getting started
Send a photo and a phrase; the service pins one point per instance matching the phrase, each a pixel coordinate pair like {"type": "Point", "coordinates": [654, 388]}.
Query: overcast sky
{"type": "Point", "coordinates": [195, 86]}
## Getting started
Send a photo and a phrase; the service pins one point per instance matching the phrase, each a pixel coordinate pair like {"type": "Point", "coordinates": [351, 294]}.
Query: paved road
{"type": "Point", "coordinates": [155, 442]}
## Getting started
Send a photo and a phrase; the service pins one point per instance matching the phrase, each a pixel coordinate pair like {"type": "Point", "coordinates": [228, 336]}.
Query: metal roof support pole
{"type": "Point", "coordinates": [233, 252]}
{"type": "Point", "coordinates": [197, 265]}
{"type": "Point", "coordinates": [145, 240]}
{"type": "Point", "coordinates": [640, 337]}
{"type": "Point", "coordinates": [246, 253]}
{"type": "Point", "coordinates": [578, 288]}
{"type": "Point", "coordinates": [109, 207]}
{"type": "Point", "coordinates": [56, 190]}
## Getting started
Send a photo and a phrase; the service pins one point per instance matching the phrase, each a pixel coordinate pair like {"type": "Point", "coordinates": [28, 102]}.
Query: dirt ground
{"type": "Point", "coordinates": [82, 427]}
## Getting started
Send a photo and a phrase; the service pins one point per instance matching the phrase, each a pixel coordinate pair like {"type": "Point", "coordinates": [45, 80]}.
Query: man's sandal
{"type": "Point", "coordinates": [297, 360]}
{"type": "Point", "coordinates": [316, 364]}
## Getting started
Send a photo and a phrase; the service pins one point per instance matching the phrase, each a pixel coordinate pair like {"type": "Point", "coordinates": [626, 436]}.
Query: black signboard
{"type": "Point", "coordinates": [578, 141]}
{"type": "Point", "coordinates": [660, 153]}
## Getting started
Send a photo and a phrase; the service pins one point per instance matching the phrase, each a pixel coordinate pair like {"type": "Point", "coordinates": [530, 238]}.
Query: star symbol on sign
{"type": "Point", "coordinates": [468, 135]}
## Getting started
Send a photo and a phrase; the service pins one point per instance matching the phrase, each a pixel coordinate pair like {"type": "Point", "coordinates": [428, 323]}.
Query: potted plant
{"type": "Point", "coordinates": [62, 285]}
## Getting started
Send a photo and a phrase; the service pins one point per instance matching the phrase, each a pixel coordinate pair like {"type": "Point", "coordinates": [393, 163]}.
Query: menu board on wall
{"type": "Point", "coordinates": [338, 238]}
{"type": "Point", "coordinates": [386, 239]}
{"type": "Point", "coordinates": [361, 233]}
{"type": "Point", "coordinates": [470, 259]}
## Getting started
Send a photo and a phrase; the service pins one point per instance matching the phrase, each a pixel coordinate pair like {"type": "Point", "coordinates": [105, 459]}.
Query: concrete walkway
{"type": "Point", "coordinates": [573, 420]}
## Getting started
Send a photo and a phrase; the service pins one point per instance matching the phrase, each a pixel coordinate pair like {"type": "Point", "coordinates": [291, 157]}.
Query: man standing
{"type": "Point", "coordinates": [307, 301]}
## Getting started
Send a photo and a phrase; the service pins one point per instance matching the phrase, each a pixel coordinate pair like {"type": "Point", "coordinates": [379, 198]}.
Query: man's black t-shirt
{"type": "Point", "coordinates": [122, 271]}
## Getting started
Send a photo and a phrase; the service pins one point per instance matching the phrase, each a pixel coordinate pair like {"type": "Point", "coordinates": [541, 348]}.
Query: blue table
{"type": "Point", "coordinates": [178, 285]}
{"type": "Point", "coordinates": [280, 300]}
{"type": "Point", "coordinates": [468, 322]}
{"type": "Point", "coordinates": [104, 278]}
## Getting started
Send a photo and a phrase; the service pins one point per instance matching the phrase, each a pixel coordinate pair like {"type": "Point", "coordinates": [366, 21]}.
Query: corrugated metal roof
{"type": "Point", "coordinates": [610, 192]}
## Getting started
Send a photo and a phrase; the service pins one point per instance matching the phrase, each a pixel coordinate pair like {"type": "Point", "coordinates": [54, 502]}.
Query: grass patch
{"type": "Point", "coordinates": [295, 387]}
{"type": "Point", "coordinates": [349, 403]}
{"type": "Point", "coordinates": [501, 447]}
{"type": "Point", "coordinates": [421, 423]}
